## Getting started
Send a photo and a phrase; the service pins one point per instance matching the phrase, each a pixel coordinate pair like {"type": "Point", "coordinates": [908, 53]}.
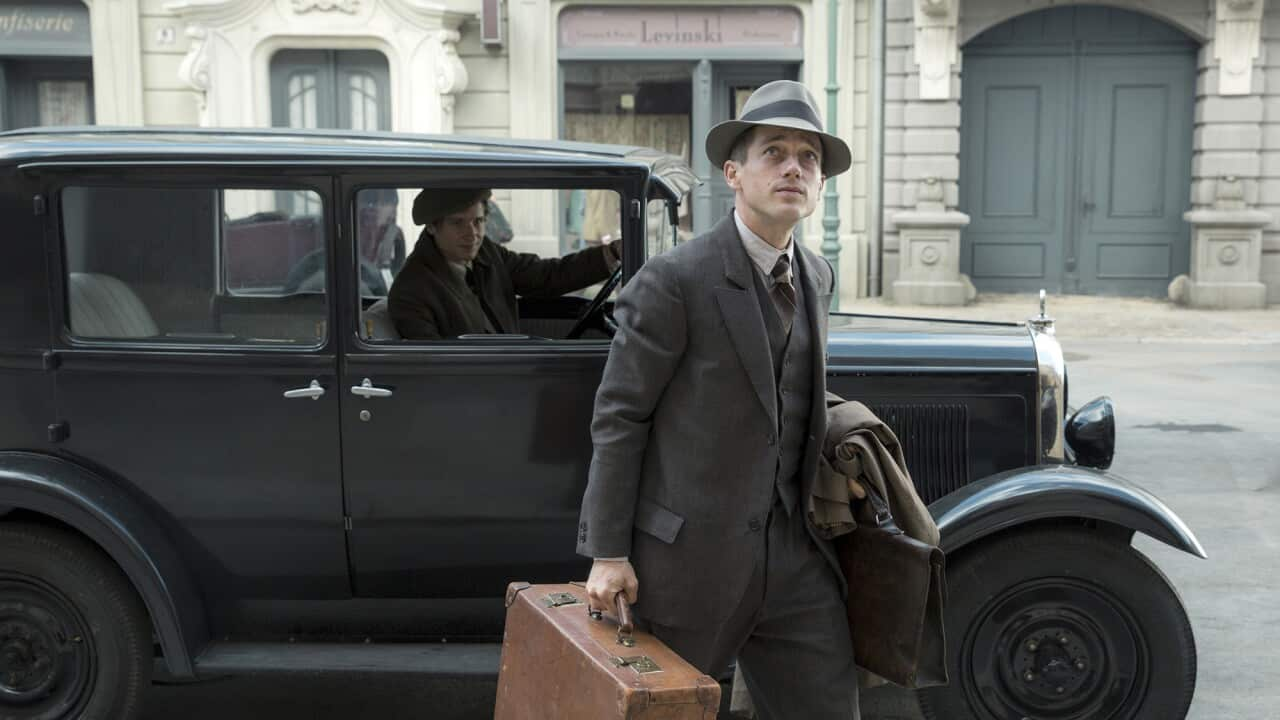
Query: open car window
{"type": "Point", "coordinates": [521, 264]}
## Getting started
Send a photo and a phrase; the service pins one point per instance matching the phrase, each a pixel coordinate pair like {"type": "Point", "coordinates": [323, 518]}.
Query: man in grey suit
{"type": "Point", "coordinates": [708, 424]}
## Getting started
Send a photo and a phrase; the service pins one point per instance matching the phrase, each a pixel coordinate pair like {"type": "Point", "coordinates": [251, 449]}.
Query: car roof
{"type": "Point", "coordinates": [125, 144]}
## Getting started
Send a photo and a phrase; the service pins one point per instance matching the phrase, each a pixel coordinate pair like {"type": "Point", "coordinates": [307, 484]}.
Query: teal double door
{"type": "Point", "coordinates": [1076, 153]}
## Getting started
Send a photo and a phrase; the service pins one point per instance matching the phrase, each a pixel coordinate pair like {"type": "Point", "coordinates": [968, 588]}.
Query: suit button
{"type": "Point", "coordinates": [754, 524]}
{"type": "Point", "coordinates": [772, 440]}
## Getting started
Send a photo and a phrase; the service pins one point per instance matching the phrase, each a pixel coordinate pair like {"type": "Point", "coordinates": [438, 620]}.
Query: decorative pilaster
{"type": "Point", "coordinates": [929, 251]}
{"type": "Point", "coordinates": [1226, 253]}
{"type": "Point", "coordinates": [117, 62]}
{"type": "Point", "coordinates": [935, 46]}
{"type": "Point", "coordinates": [1236, 41]}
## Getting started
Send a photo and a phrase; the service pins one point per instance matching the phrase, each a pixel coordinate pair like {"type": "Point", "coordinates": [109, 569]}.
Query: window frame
{"type": "Point", "coordinates": [56, 177]}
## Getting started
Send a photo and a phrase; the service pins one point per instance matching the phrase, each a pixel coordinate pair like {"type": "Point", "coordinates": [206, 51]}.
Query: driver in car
{"type": "Point", "coordinates": [459, 282]}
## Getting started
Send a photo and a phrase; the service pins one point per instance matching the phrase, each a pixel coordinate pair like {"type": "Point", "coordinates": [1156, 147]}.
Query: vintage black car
{"type": "Point", "coordinates": [216, 456]}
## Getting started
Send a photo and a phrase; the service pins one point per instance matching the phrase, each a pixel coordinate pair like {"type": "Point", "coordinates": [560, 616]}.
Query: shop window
{"type": "Point", "coordinates": [52, 91]}
{"type": "Point", "coordinates": [630, 103]}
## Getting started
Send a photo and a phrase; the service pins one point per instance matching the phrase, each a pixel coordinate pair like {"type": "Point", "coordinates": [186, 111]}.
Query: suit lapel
{"type": "Point", "coordinates": [742, 318]}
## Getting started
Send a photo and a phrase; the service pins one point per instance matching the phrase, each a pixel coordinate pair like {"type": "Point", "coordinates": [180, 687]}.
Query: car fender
{"type": "Point", "coordinates": [1044, 492]}
{"type": "Point", "coordinates": [87, 502]}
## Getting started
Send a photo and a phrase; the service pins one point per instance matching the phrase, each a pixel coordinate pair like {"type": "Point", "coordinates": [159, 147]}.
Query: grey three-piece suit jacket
{"type": "Point", "coordinates": [685, 428]}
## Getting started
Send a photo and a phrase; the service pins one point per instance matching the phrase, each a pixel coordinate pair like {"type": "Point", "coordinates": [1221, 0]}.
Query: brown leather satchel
{"type": "Point", "coordinates": [896, 594]}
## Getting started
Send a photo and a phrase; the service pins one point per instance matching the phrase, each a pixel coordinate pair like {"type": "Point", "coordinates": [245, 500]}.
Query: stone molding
{"type": "Point", "coordinates": [228, 63]}
{"type": "Point", "coordinates": [936, 49]}
{"type": "Point", "coordinates": [1237, 40]}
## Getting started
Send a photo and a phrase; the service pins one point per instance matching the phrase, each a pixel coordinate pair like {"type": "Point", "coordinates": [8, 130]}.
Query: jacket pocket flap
{"type": "Point", "coordinates": [657, 521]}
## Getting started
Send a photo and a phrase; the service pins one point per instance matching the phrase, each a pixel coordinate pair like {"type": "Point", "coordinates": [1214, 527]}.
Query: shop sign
{"type": "Point", "coordinates": [37, 25]}
{"type": "Point", "coordinates": [683, 28]}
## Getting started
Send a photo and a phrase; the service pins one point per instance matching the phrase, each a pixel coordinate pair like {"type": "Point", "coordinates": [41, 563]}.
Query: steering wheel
{"type": "Point", "coordinates": [596, 307]}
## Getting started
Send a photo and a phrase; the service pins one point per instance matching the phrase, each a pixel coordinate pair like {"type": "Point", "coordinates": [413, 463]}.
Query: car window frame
{"type": "Point", "coordinates": [630, 179]}
{"type": "Point", "coordinates": [54, 177]}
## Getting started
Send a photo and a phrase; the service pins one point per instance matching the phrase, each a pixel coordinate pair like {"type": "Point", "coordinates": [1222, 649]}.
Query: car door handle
{"type": "Point", "coordinates": [313, 391]}
{"type": "Point", "coordinates": [366, 390]}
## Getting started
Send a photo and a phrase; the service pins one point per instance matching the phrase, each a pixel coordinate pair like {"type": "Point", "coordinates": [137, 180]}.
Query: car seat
{"type": "Point", "coordinates": [104, 307]}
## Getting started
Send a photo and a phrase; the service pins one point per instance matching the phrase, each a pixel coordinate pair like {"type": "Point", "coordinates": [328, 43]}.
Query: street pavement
{"type": "Point", "coordinates": [1198, 413]}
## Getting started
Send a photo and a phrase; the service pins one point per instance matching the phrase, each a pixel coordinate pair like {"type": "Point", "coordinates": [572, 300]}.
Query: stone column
{"type": "Point", "coordinates": [929, 251]}
{"type": "Point", "coordinates": [1226, 253]}
{"type": "Point", "coordinates": [1226, 224]}
{"type": "Point", "coordinates": [921, 145]}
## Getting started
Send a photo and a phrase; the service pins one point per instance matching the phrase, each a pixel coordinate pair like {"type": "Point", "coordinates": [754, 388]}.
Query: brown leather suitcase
{"type": "Point", "coordinates": [558, 663]}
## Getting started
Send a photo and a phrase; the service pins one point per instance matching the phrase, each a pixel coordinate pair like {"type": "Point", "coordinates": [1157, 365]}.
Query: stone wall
{"type": "Point", "coordinates": [485, 107]}
{"type": "Point", "coordinates": [167, 100]}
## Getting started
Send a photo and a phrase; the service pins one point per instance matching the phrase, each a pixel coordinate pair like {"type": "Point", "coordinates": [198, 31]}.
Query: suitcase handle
{"type": "Point", "coordinates": [626, 625]}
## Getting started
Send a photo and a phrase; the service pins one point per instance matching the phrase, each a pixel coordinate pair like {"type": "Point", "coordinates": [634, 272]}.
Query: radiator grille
{"type": "Point", "coordinates": [935, 442]}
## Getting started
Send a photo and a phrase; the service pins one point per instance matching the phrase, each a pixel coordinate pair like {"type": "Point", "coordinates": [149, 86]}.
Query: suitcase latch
{"type": "Point", "coordinates": [642, 664]}
{"type": "Point", "coordinates": [559, 599]}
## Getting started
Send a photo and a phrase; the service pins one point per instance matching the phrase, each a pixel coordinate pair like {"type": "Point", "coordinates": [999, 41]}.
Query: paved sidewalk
{"type": "Point", "coordinates": [1081, 317]}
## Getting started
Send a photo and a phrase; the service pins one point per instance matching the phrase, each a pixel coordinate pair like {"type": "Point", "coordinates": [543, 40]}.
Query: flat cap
{"type": "Point", "coordinates": [434, 203]}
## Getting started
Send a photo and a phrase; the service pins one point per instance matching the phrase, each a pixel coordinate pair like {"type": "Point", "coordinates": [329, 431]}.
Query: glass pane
{"type": "Point", "coordinates": [303, 98]}
{"type": "Point", "coordinates": [362, 92]}
{"type": "Point", "coordinates": [472, 271]}
{"type": "Point", "coordinates": [63, 102]}
{"type": "Point", "coordinates": [192, 265]}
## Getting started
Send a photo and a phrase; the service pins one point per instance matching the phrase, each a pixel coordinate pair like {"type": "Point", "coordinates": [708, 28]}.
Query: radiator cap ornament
{"type": "Point", "coordinates": [1042, 323]}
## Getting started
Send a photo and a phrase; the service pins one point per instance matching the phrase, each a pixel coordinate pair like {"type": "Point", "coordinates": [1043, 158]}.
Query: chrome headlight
{"type": "Point", "coordinates": [1091, 433]}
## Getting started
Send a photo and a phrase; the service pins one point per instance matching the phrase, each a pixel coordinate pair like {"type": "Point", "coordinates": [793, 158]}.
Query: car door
{"type": "Point", "coordinates": [187, 374]}
{"type": "Point", "coordinates": [465, 460]}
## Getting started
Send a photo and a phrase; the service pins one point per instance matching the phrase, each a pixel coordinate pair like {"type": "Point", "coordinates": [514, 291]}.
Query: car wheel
{"type": "Point", "coordinates": [1061, 624]}
{"type": "Point", "coordinates": [74, 637]}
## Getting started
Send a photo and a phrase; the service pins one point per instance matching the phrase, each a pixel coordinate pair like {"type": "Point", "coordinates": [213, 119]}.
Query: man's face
{"type": "Point", "coordinates": [781, 178]}
{"type": "Point", "coordinates": [458, 235]}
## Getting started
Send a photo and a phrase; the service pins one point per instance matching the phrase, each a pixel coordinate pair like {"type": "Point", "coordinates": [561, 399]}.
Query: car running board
{"type": "Point", "coordinates": [458, 659]}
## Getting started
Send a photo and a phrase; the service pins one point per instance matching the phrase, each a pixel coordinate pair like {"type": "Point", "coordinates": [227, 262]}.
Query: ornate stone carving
{"type": "Point", "coordinates": [351, 7]}
{"type": "Point", "coordinates": [929, 255]}
{"type": "Point", "coordinates": [1229, 255]}
{"type": "Point", "coordinates": [935, 46]}
{"type": "Point", "coordinates": [194, 70]}
{"type": "Point", "coordinates": [1236, 42]}
{"type": "Point", "coordinates": [451, 74]}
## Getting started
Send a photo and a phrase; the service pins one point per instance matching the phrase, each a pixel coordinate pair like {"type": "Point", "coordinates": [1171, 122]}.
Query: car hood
{"type": "Point", "coordinates": [862, 341]}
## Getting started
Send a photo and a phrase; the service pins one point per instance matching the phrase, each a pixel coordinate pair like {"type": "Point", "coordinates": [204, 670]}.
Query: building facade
{"type": "Point", "coordinates": [999, 145]}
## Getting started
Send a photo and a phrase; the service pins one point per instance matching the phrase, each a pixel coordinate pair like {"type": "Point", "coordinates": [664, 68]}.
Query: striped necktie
{"type": "Point", "coordinates": [784, 293]}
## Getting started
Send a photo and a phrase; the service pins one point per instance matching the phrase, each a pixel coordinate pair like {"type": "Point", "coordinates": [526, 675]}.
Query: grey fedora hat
{"type": "Point", "coordinates": [781, 103]}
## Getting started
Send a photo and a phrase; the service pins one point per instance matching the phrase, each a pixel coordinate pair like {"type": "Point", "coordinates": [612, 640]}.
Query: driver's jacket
{"type": "Point", "coordinates": [431, 300]}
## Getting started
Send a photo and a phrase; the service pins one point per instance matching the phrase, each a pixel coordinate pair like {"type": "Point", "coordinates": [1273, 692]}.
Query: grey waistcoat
{"type": "Point", "coordinates": [793, 383]}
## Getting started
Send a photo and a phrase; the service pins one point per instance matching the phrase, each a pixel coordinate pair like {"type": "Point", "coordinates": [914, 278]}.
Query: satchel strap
{"type": "Point", "coordinates": [884, 516]}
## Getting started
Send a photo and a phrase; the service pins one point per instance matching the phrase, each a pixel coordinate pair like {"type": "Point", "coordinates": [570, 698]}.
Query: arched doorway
{"type": "Point", "coordinates": [1076, 152]}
